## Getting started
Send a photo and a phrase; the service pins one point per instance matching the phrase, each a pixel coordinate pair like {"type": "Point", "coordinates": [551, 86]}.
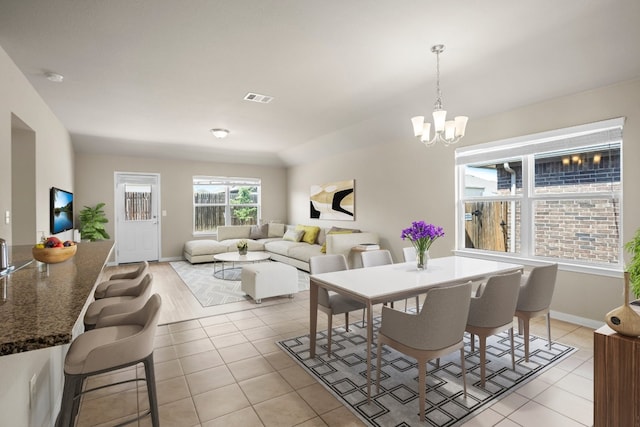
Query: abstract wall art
{"type": "Point", "coordinates": [335, 200]}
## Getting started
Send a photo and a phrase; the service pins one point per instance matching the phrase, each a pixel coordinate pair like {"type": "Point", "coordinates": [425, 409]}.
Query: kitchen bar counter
{"type": "Point", "coordinates": [40, 308]}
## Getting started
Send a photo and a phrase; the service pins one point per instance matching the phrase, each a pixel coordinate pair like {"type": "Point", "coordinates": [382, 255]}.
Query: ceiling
{"type": "Point", "coordinates": [153, 76]}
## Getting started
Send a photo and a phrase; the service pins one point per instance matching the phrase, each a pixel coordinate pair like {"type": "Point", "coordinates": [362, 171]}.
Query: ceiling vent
{"type": "Point", "coordinates": [256, 97]}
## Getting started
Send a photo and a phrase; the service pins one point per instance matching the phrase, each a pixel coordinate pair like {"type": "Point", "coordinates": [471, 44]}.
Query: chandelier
{"type": "Point", "coordinates": [447, 132]}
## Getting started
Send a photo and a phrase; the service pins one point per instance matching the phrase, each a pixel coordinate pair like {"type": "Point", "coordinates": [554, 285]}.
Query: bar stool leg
{"type": "Point", "coordinates": [151, 390]}
{"type": "Point", "coordinates": [70, 405]}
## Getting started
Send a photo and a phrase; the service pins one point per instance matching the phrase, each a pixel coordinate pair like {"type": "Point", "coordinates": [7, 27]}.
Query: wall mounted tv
{"type": "Point", "coordinates": [61, 212]}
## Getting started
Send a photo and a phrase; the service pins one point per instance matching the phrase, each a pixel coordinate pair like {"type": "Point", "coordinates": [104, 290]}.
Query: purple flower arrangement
{"type": "Point", "coordinates": [422, 235]}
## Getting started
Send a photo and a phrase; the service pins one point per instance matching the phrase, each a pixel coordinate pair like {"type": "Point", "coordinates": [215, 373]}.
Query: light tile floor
{"type": "Point", "coordinates": [226, 370]}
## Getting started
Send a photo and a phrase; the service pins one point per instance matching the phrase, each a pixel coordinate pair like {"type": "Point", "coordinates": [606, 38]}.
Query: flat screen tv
{"type": "Point", "coordinates": [61, 213]}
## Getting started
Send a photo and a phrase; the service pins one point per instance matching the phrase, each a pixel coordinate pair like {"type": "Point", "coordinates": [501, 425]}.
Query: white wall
{"type": "Point", "coordinates": [399, 181]}
{"type": "Point", "coordinates": [54, 167]}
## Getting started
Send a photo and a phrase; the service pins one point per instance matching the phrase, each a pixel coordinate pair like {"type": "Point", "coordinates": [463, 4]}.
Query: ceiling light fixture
{"type": "Point", "coordinates": [220, 133]}
{"type": "Point", "coordinates": [54, 77]}
{"type": "Point", "coordinates": [447, 132]}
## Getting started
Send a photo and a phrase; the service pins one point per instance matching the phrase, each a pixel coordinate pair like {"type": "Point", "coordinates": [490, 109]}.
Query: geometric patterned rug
{"type": "Point", "coordinates": [210, 290]}
{"type": "Point", "coordinates": [344, 375]}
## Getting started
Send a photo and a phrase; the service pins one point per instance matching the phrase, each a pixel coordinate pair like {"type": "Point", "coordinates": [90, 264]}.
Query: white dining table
{"type": "Point", "coordinates": [375, 285]}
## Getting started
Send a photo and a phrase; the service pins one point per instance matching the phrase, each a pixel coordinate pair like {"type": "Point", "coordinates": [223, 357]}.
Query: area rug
{"type": "Point", "coordinates": [210, 290]}
{"type": "Point", "coordinates": [344, 375]}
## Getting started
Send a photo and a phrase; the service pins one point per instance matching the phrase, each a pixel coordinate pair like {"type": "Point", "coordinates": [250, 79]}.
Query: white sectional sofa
{"type": "Point", "coordinates": [280, 242]}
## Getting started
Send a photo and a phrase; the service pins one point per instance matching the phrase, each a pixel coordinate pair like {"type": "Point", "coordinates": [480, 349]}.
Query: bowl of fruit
{"type": "Point", "coordinates": [53, 250]}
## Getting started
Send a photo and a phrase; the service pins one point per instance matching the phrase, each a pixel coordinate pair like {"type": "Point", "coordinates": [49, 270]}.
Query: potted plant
{"type": "Point", "coordinates": [633, 268]}
{"type": "Point", "coordinates": [92, 220]}
{"type": "Point", "coordinates": [242, 247]}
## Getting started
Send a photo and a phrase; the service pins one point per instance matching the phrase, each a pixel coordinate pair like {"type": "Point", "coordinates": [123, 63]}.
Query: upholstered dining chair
{"type": "Point", "coordinates": [491, 311]}
{"type": "Point", "coordinates": [409, 254]}
{"type": "Point", "coordinates": [117, 342]}
{"type": "Point", "coordinates": [130, 300]}
{"type": "Point", "coordinates": [437, 330]}
{"type": "Point", "coordinates": [382, 257]}
{"type": "Point", "coordinates": [332, 302]}
{"type": "Point", "coordinates": [374, 258]}
{"type": "Point", "coordinates": [120, 282]}
{"type": "Point", "coordinates": [536, 292]}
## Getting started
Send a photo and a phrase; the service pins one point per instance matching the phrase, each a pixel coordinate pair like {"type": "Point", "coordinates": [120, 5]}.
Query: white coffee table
{"type": "Point", "coordinates": [235, 258]}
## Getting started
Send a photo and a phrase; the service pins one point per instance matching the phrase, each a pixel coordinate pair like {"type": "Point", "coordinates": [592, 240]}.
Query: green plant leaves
{"type": "Point", "coordinates": [92, 220]}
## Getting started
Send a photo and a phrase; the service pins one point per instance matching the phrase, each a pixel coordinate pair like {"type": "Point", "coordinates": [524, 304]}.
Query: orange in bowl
{"type": "Point", "coordinates": [54, 255]}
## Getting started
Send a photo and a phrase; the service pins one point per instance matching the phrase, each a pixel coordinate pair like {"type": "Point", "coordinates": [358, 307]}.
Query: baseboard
{"type": "Point", "coordinates": [582, 321]}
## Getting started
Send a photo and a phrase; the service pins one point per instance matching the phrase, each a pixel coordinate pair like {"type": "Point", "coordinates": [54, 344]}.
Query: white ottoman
{"type": "Point", "coordinates": [269, 279]}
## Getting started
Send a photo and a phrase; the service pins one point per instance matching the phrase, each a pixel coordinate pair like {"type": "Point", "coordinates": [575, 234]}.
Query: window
{"type": "Point", "coordinates": [137, 202]}
{"type": "Point", "coordinates": [224, 201]}
{"type": "Point", "coordinates": [554, 196]}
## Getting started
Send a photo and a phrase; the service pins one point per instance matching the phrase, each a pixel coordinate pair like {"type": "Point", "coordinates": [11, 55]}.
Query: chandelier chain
{"type": "Point", "coordinates": [438, 104]}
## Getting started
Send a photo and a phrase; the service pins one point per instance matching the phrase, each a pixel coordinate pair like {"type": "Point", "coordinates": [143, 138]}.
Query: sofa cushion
{"type": "Point", "coordinates": [304, 253]}
{"type": "Point", "coordinates": [310, 233]}
{"type": "Point", "coordinates": [227, 232]}
{"type": "Point", "coordinates": [259, 231]}
{"type": "Point", "coordinates": [282, 247]}
{"type": "Point", "coordinates": [204, 247]}
{"type": "Point", "coordinates": [275, 230]}
{"type": "Point", "coordinates": [252, 245]}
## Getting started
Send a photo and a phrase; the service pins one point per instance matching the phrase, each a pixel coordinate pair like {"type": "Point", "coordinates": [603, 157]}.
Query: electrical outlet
{"type": "Point", "coordinates": [7, 217]}
{"type": "Point", "coordinates": [32, 389]}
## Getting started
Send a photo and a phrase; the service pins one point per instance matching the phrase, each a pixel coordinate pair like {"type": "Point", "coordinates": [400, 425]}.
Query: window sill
{"type": "Point", "coordinates": [608, 271]}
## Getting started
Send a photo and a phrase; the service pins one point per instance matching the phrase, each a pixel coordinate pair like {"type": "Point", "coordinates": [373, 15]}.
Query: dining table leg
{"type": "Point", "coordinates": [313, 317]}
{"type": "Point", "coordinates": [369, 344]}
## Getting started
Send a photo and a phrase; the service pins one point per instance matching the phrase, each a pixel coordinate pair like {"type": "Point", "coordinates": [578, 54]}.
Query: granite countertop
{"type": "Point", "coordinates": [39, 308]}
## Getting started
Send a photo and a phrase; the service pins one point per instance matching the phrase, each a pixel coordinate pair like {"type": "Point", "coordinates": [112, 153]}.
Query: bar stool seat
{"type": "Point", "coordinates": [118, 341]}
{"type": "Point", "coordinates": [131, 300]}
{"type": "Point", "coordinates": [121, 282]}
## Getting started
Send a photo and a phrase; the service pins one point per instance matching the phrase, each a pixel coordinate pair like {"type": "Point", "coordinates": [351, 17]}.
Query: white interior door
{"type": "Point", "coordinates": [137, 223]}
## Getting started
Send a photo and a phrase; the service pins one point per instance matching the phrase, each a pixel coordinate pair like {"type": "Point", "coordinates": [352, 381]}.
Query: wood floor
{"type": "Point", "coordinates": [179, 304]}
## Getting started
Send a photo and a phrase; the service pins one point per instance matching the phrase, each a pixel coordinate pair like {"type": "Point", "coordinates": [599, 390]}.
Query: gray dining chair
{"type": "Point", "coordinates": [118, 341]}
{"type": "Point", "coordinates": [119, 283]}
{"type": "Point", "coordinates": [491, 311]}
{"type": "Point", "coordinates": [331, 302]}
{"type": "Point", "coordinates": [536, 293]}
{"type": "Point", "coordinates": [437, 330]}
{"type": "Point", "coordinates": [128, 301]}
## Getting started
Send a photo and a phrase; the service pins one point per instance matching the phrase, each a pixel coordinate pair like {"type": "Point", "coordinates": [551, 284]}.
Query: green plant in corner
{"type": "Point", "coordinates": [92, 221]}
{"type": "Point", "coordinates": [633, 247]}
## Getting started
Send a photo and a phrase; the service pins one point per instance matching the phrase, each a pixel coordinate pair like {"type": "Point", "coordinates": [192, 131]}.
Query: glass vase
{"type": "Point", "coordinates": [242, 251]}
{"type": "Point", "coordinates": [422, 258]}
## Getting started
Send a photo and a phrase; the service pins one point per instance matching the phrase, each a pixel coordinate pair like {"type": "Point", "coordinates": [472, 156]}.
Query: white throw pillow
{"type": "Point", "coordinates": [293, 236]}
